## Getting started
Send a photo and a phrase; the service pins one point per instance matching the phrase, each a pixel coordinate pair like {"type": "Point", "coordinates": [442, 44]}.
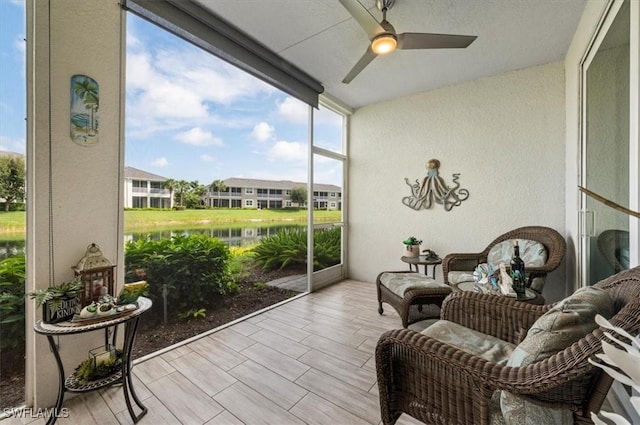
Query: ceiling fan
{"type": "Point", "coordinates": [384, 38]}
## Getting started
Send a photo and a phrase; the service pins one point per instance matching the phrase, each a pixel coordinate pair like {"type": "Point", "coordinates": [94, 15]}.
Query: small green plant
{"type": "Point", "coordinates": [194, 314]}
{"type": "Point", "coordinates": [12, 305]}
{"type": "Point", "coordinates": [260, 285]}
{"type": "Point", "coordinates": [412, 240]}
{"type": "Point", "coordinates": [88, 371]}
{"type": "Point", "coordinates": [240, 263]}
{"type": "Point", "coordinates": [54, 295]}
{"type": "Point", "coordinates": [289, 248]}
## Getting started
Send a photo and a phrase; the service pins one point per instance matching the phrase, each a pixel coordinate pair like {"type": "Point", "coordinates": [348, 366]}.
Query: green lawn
{"type": "Point", "coordinates": [14, 221]}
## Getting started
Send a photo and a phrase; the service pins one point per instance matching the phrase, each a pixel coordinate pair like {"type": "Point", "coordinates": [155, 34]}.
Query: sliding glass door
{"type": "Point", "coordinates": [609, 146]}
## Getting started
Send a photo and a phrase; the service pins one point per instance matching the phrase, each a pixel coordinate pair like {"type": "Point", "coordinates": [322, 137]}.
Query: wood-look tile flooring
{"type": "Point", "coordinates": [309, 361]}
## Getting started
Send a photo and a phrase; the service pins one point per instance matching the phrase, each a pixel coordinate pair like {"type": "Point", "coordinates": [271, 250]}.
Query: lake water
{"type": "Point", "coordinates": [232, 236]}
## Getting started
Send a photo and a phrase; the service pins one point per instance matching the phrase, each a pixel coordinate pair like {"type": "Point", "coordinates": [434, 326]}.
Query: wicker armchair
{"type": "Point", "coordinates": [551, 239]}
{"type": "Point", "coordinates": [613, 244]}
{"type": "Point", "coordinates": [440, 384]}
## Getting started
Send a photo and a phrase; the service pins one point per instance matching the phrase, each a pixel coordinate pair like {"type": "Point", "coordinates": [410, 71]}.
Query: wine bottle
{"type": "Point", "coordinates": [517, 271]}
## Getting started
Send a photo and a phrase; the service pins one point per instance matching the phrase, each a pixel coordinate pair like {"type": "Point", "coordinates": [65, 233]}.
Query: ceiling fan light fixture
{"type": "Point", "coordinates": [384, 43]}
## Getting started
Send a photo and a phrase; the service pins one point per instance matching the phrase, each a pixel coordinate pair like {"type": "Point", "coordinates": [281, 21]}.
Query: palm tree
{"type": "Point", "coordinates": [218, 186]}
{"type": "Point", "coordinates": [181, 187]}
{"type": "Point", "coordinates": [196, 194]}
{"type": "Point", "coordinates": [171, 185]}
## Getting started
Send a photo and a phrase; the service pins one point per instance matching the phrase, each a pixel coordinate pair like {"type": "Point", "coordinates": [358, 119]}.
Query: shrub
{"type": "Point", "coordinates": [240, 262]}
{"type": "Point", "coordinates": [326, 247]}
{"type": "Point", "coordinates": [12, 303]}
{"type": "Point", "coordinates": [193, 268]}
{"type": "Point", "coordinates": [289, 247]}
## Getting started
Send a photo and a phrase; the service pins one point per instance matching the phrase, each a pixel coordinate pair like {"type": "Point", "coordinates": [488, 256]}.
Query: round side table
{"type": "Point", "coordinates": [423, 260]}
{"type": "Point", "coordinates": [71, 383]}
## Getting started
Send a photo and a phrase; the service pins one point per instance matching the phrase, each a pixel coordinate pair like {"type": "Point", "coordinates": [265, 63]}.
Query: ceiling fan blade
{"type": "Point", "coordinates": [358, 67]}
{"type": "Point", "coordinates": [418, 40]}
{"type": "Point", "coordinates": [363, 17]}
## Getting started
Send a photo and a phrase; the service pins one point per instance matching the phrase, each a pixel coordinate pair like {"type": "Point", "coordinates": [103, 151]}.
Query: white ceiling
{"type": "Point", "coordinates": [320, 37]}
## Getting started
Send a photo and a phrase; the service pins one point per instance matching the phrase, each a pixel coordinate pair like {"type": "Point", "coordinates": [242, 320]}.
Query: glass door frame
{"type": "Point", "coordinates": [621, 397]}
{"type": "Point", "coordinates": [329, 275]}
{"type": "Point", "coordinates": [585, 221]}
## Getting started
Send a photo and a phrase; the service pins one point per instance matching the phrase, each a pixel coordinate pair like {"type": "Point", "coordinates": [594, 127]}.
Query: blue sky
{"type": "Point", "coordinates": [188, 114]}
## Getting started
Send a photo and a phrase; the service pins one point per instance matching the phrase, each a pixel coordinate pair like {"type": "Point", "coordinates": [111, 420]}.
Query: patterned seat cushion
{"type": "Point", "coordinates": [567, 322]}
{"type": "Point", "coordinates": [454, 277]}
{"type": "Point", "coordinates": [482, 345]}
{"type": "Point", "coordinates": [399, 283]}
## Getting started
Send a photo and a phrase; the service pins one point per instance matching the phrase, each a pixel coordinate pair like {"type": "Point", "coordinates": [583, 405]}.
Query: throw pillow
{"type": "Point", "coordinates": [567, 322]}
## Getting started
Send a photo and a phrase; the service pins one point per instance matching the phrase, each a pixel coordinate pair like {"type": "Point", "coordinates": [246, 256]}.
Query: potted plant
{"type": "Point", "coordinates": [412, 246]}
{"type": "Point", "coordinates": [59, 302]}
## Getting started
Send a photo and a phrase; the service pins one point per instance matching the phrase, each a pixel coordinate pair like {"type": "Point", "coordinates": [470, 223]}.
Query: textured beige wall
{"type": "Point", "coordinates": [504, 134]}
{"type": "Point", "coordinates": [71, 37]}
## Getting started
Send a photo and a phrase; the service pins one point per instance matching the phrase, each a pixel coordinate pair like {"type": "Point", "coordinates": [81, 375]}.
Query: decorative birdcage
{"type": "Point", "coordinates": [97, 275]}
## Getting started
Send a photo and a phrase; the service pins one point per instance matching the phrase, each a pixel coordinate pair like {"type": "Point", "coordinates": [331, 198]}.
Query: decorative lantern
{"type": "Point", "coordinates": [97, 275]}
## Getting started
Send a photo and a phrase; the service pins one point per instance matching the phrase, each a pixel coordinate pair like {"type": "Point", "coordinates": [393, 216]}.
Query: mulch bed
{"type": "Point", "coordinates": [153, 335]}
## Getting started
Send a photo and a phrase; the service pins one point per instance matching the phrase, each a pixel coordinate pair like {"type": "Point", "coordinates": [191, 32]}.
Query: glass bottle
{"type": "Point", "coordinates": [517, 271]}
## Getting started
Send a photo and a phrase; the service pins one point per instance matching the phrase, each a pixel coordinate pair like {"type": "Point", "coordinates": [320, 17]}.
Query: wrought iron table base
{"type": "Point", "coordinates": [123, 376]}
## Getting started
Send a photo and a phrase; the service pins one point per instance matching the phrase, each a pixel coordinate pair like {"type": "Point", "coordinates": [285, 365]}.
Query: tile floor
{"type": "Point", "coordinates": [309, 361]}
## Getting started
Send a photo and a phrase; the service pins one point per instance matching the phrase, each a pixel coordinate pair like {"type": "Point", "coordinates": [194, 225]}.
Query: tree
{"type": "Point", "coordinates": [218, 186]}
{"type": "Point", "coordinates": [181, 187]}
{"type": "Point", "coordinates": [299, 195]}
{"type": "Point", "coordinates": [12, 180]}
{"type": "Point", "coordinates": [171, 185]}
{"type": "Point", "coordinates": [195, 194]}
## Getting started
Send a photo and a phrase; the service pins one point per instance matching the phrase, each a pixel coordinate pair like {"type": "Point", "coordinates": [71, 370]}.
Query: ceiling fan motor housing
{"type": "Point", "coordinates": [385, 4]}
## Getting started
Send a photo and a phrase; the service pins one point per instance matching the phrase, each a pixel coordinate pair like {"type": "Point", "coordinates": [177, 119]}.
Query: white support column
{"type": "Point", "coordinates": [75, 193]}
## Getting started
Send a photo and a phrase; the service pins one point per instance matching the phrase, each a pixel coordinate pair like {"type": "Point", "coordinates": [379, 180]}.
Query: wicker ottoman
{"type": "Point", "coordinates": [403, 289]}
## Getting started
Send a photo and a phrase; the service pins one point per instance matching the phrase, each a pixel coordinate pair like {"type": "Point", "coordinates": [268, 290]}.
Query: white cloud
{"type": "Point", "coordinates": [160, 162]}
{"type": "Point", "coordinates": [132, 40]}
{"type": "Point", "coordinates": [139, 70]}
{"type": "Point", "coordinates": [21, 45]}
{"type": "Point", "coordinates": [287, 151]}
{"type": "Point", "coordinates": [206, 158]}
{"type": "Point", "coordinates": [218, 82]}
{"type": "Point", "coordinates": [173, 86]}
{"type": "Point", "coordinates": [168, 99]}
{"type": "Point", "coordinates": [263, 132]}
{"type": "Point", "coordinates": [13, 144]}
{"type": "Point", "coordinates": [198, 137]}
{"type": "Point", "coordinates": [294, 110]}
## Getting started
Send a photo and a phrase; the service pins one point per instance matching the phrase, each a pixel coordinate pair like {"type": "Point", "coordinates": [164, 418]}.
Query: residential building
{"type": "Point", "coordinates": [254, 193]}
{"type": "Point", "coordinates": [145, 190]}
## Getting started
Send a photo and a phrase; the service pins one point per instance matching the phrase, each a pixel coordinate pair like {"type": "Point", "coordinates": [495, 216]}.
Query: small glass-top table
{"type": "Point", "coordinates": [423, 260]}
{"type": "Point", "coordinates": [71, 383]}
{"type": "Point", "coordinates": [530, 296]}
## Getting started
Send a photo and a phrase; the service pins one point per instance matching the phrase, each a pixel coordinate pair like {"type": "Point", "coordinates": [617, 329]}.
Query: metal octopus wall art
{"type": "Point", "coordinates": [434, 189]}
